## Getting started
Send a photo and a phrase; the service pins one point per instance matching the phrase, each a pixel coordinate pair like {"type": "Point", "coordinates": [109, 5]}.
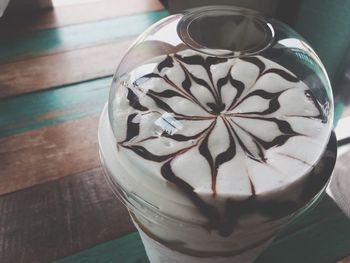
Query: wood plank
{"type": "Point", "coordinates": [325, 210]}
{"type": "Point", "coordinates": [57, 105]}
{"type": "Point", "coordinates": [61, 69]}
{"type": "Point", "coordinates": [55, 40]}
{"type": "Point", "coordinates": [72, 161]}
{"type": "Point", "coordinates": [323, 242]}
{"type": "Point", "coordinates": [56, 219]}
{"type": "Point", "coordinates": [60, 138]}
{"type": "Point", "coordinates": [49, 153]}
{"type": "Point", "coordinates": [21, 22]}
{"type": "Point", "coordinates": [316, 21]}
{"type": "Point", "coordinates": [51, 107]}
{"type": "Point", "coordinates": [127, 249]}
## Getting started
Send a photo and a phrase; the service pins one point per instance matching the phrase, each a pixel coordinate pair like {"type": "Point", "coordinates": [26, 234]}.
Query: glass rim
{"type": "Point", "coordinates": [192, 16]}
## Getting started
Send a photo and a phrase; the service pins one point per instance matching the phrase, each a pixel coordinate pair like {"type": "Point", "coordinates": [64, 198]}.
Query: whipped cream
{"type": "Point", "coordinates": [224, 144]}
{"type": "Point", "coordinates": [222, 128]}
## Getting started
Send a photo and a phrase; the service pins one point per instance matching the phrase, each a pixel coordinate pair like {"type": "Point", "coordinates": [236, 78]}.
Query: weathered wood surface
{"type": "Point", "coordinates": [55, 40]}
{"type": "Point", "coordinates": [49, 153]}
{"type": "Point", "coordinates": [64, 68]}
{"type": "Point", "coordinates": [55, 72]}
{"type": "Point", "coordinates": [322, 242]}
{"type": "Point", "coordinates": [54, 200]}
{"type": "Point", "coordinates": [51, 107]}
{"type": "Point", "coordinates": [59, 218]}
{"type": "Point", "coordinates": [18, 23]}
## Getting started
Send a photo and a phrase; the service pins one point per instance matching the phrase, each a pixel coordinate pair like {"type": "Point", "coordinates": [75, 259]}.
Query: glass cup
{"type": "Point", "coordinates": [181, 219]}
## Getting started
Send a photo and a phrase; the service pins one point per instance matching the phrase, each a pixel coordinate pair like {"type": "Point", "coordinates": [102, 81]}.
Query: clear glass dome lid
{"type": "Point", "coordinates": [225, 88]}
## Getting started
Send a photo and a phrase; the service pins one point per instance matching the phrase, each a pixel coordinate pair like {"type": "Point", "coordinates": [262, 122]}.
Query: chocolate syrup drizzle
{"type": "Point", "coordinates": [215, 109]}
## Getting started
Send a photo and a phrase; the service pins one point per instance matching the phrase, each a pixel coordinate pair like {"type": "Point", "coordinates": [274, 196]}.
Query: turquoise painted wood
{"type": "Point", "coordinates": [324, 210]}
{"type": "Point", "coordinates": [50, 107]}
{"type": "Point", "coordinates": [127, 249]}
{"type": "Point", "coordinates": [321, 235]}
{"type": "Point", "coordinates": [324, 241]}
{"type": "Point", "coordinates": [338, 111]}
{"type": "Point", "coordinates": [326, 25]}
{"type": "Point", "coordinates": [76, 36]}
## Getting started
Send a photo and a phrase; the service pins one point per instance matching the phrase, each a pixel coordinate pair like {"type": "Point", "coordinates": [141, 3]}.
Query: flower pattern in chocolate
{"type": "Point", "coordinates": [217, 100]}
{"type": "Point", "coordinates": [210, 115]}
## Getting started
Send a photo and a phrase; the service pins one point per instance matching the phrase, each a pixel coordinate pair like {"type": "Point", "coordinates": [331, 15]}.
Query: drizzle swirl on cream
{"type": "Point", "coordinates": [219, 127]}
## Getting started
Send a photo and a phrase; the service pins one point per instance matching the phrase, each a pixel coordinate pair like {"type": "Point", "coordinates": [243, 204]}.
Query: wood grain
{"type": "Point", "coordinates": [323, 211]}
{"type": "Point", "coordinates": [64, 68]}
{"type": "Point", "coordinates": [49, 153]}
{"type": "Point", "coordinates": [56, 219]}
{"type": "Point", "coordinates": [322, 242]}
{"type": "Point", "coordinates": [127, 249]}
{"type": "Point", "coordinates": [316, 21]}
{"type": "Point", "coordinates": [16, 22]}
{"type": "Point", "coordinates": [51, 41]}
{"type": "Point", "coordinates": [52, 107]}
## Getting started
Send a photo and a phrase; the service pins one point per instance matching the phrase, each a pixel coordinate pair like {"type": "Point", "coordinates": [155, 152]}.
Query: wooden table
{"type": "Point", "coordinates": [55, 205]}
